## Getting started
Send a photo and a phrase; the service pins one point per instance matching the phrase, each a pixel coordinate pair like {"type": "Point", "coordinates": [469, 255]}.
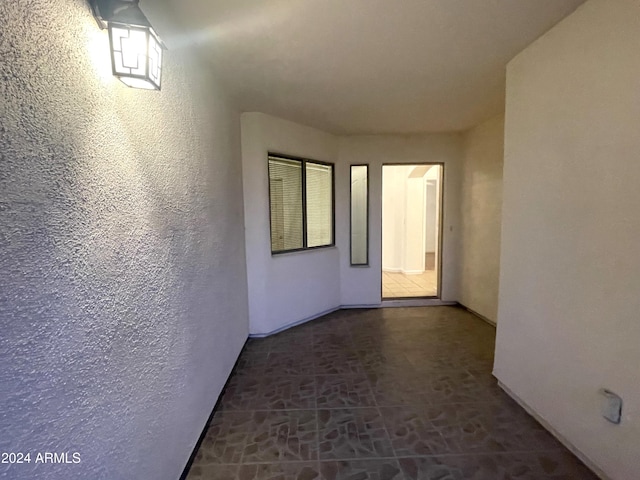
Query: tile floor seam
{"type": "Point", "coordinates": [480, 454]}
{"type": "Point", "coordinates": [246, 441]}
{"type": "Point", "coordinates": [317, 431]}
{"type": "Point", "coordinates": [328, 460]}
{"type": "Point", "coordinates": [395, 455]}
{"type": "Point", "coordinates": [383, 422]}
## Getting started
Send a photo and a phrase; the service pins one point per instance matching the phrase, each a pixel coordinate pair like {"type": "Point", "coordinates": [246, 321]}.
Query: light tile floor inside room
{"type": "Point", "coordinates": [382, 394]}
{"type": "Point", "coordinates": [400, 285]}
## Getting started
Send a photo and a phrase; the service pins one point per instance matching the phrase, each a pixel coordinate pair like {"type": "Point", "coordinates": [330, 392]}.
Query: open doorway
{"type": "Point", "coordinates": [411, 230]}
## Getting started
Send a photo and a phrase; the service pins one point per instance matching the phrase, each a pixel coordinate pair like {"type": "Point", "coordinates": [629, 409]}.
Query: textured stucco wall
{"type": "Point", "coordinates": [570, 262]}
{"type": "Point", "coordinates": [123, 298]}
{"type": "Point", "coordinates": [481, 217]}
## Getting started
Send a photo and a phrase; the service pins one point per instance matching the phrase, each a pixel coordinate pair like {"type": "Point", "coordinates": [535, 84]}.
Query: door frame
{"type": "Point", "coordinates": [442, 177]}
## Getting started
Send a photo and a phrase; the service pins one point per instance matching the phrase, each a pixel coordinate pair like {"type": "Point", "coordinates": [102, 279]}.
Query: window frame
{"type": "Point", "coordinates": [366, 264]}
{"type": "Point", "coordinates": [303, 164]}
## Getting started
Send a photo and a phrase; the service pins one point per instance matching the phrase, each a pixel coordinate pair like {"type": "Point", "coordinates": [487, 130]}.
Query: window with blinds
{"type": "Point", "coordinates": [285, 193]}
{"type": "Point", "coordinates": [301, 203]}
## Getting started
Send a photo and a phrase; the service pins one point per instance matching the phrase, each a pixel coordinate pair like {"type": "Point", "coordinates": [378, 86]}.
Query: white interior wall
{"type": "Point", "coordinates": [290, 287]}
{"type": "Point", "coordinates": [123, 293]}
{"type": "Point", "coordinates": [570, 266]}
{"type": "Point", "coordinates": [482, 217]}
{"type": "Point", "coordinates": [431, 216]}
{"type": "Point", "coordinates": [413, 231]}
{"type": "Point", "coordinates": [362, 285]}
{"type": "Point", "coordinates": [394, 217]}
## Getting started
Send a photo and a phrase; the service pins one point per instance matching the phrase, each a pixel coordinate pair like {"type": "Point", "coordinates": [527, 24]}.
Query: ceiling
{"type": "Point", "coordinates": [369, 66]}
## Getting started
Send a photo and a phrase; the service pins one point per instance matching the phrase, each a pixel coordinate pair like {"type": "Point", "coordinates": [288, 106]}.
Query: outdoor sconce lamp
{"type": "Point", "coordinates": [136, 49]}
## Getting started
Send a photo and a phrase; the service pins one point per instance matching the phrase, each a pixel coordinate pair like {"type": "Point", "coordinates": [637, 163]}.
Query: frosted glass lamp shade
{"type": "Point", "coordinates": [136, 55]}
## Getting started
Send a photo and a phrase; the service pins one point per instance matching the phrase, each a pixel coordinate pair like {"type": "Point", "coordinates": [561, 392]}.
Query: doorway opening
{"type": "Point", "coordinates": [411, 230]}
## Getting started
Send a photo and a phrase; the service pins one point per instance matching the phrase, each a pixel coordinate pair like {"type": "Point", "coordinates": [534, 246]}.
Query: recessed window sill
{"type": "Point", "coordinates": [303, 251]}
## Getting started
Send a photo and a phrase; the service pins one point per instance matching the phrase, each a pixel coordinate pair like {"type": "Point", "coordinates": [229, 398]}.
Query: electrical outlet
{"type": "Point", "coordinates": [611, 406]}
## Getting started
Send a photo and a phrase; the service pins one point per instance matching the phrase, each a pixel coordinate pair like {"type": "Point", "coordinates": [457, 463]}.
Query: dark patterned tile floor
{"type": "Point", "coordinates": [382, 394]}
{"type": "Point", "coordinates": [353, 433]}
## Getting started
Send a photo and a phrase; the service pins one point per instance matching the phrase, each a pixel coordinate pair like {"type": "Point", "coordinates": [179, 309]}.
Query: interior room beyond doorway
{"type": "Point", "coordinates": [411, 206]}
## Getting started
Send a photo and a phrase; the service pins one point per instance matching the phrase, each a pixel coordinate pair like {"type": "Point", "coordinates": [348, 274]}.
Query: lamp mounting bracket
{"type": "Point", "coordinates": [121, 11]}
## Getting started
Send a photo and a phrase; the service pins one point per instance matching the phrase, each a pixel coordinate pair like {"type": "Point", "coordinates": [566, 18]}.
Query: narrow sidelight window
{"type": "Point", "coordinates": [359, 215]}
{"type": "Point", "coordinates": [301, 203]}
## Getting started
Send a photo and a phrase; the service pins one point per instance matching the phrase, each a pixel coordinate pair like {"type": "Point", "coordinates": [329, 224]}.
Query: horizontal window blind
{"type": "Point", "coordinates": [301, 203]}
{"type": "Point", "coordinates": [319, 180]}
{"type": "Point", "coordinates": [285, 191]}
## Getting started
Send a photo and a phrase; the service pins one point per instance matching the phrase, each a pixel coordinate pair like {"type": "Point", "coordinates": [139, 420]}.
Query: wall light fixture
{"type": "Point", "coordinates": [136, 49]}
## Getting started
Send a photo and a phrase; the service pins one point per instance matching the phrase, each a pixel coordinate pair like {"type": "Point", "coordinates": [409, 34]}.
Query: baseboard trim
{"type": "Point", "coordinates": [361, 305]}
{"type": "Point", "coordinates": [481, 317]}
{"type": "Point", "coordinates": [294, 324]}
{"type": "Point", "coordinates": [418, 302]}
{"type": "Point", "coordinates": [192, 457]}
{"type": "Point", "coordinates": [570, 446]}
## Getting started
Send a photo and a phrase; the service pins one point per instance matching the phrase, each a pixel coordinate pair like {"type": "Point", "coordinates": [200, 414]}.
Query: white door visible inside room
{"type": "Point", "coordinates": [411, 227]}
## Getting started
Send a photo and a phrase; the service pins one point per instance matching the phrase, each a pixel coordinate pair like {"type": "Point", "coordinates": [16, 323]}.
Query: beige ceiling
{"type": "Point", "coordinates": [369, 66]}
